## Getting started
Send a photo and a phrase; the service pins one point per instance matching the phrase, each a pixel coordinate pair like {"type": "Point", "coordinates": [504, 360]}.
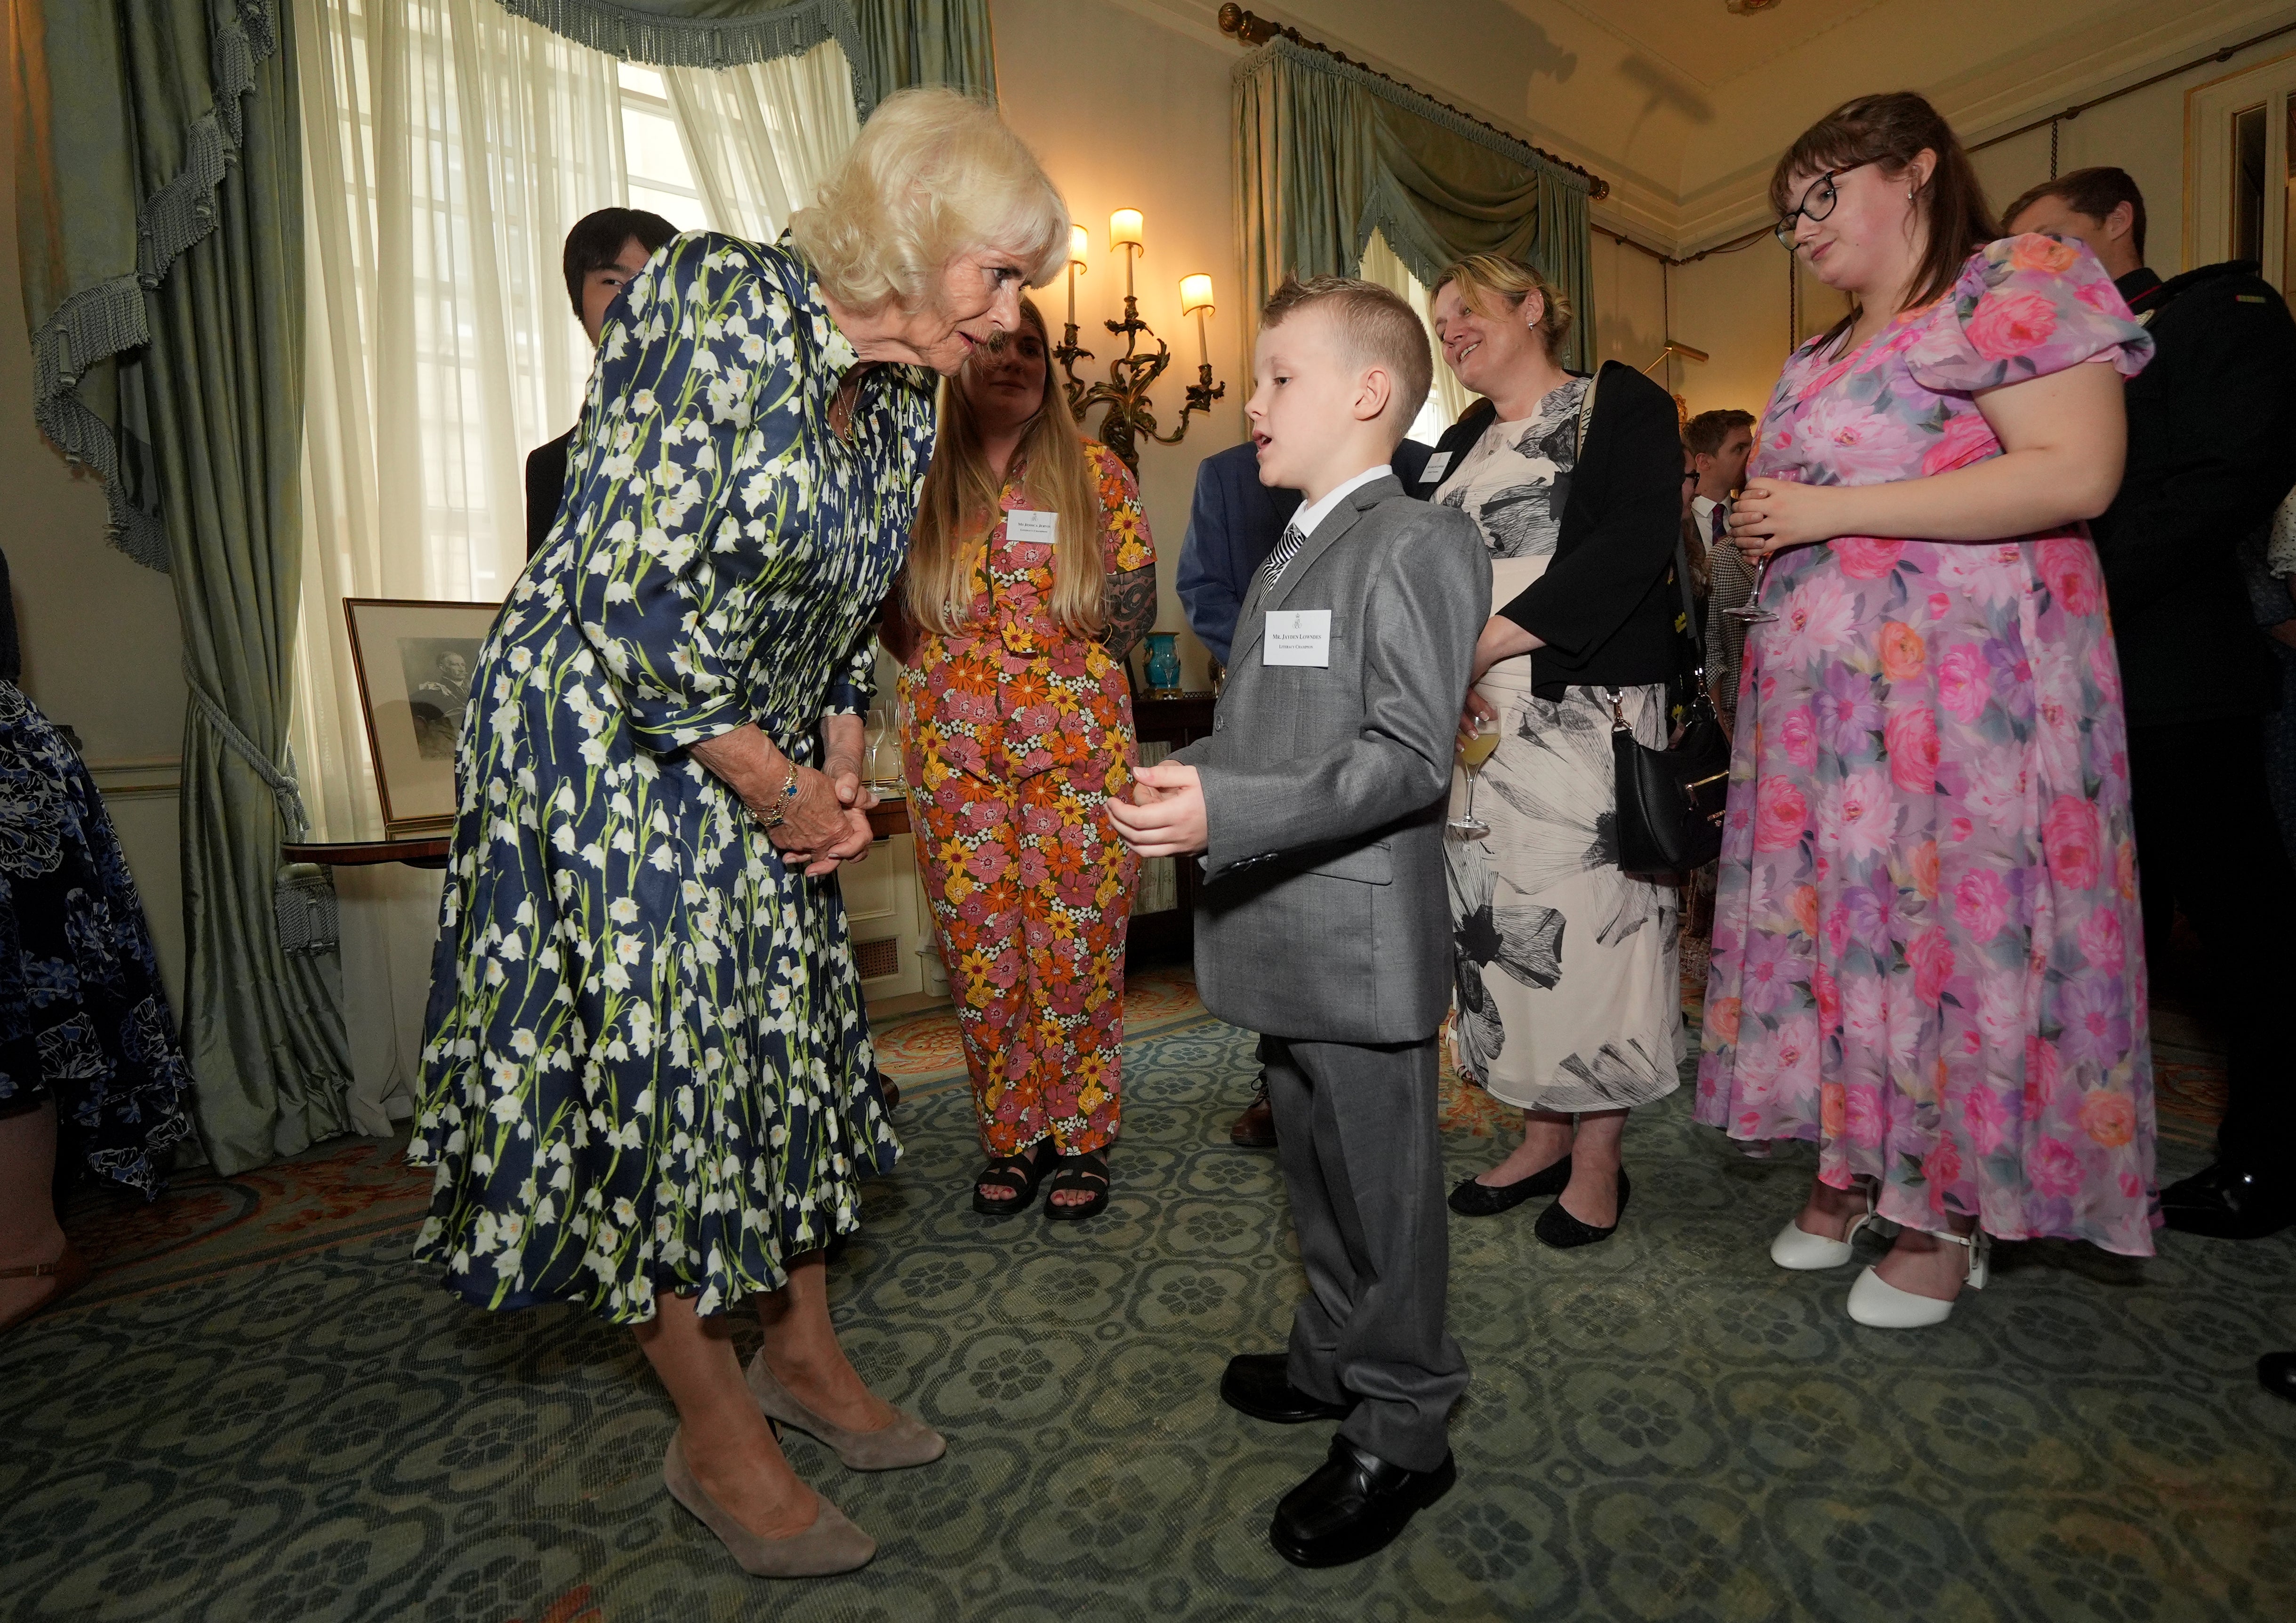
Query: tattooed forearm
{"type": "Point", "coordinates": [1131, 608]}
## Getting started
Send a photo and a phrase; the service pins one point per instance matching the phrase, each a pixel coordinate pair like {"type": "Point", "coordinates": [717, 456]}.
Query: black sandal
{"type": "Point", "coordinates": [1079, 1172]}
{"type": "Point", "coordinates": [1020, 1172]}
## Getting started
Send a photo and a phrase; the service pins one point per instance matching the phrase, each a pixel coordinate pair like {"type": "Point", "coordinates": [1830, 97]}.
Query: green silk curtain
{"type": "Point", "coordinates": [891, 44]}
{"type": "Point", "coordinates": [1327, 153]}
{"type": "Point", "coordinates": [160, 222]}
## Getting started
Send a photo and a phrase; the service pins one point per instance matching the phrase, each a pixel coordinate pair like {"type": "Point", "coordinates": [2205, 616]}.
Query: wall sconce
{"type": "Point", "coordinates": [1131, 375]}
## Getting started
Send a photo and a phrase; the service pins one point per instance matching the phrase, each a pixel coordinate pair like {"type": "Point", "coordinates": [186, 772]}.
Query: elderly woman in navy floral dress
{"type": "Point", "coordinates": [648, 1081]}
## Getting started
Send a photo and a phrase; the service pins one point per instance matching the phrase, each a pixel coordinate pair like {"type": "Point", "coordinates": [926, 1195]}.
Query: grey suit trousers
{"type": "Point", "coordinates": [1357, 1138]}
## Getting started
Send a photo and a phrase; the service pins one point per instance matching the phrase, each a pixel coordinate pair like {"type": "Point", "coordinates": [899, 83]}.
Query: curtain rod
{"type": "Point", "coordinates": [1247, 30]}
{"type": "Point", "coordinates": [2225, 54]}
{"type": "Point", "coordinates": [2079, 108]}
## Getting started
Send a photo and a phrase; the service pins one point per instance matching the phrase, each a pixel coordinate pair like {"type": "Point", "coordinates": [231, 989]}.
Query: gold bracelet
{"type": "Point", "coordinates": [788, 799]}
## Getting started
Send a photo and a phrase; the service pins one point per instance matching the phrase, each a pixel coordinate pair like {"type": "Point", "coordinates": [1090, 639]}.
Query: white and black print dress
{"type": "Point", "coordinates": [1568, 996]}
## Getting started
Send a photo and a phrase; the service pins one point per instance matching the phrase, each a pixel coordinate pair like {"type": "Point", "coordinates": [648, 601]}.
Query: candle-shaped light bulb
{"type": "Point", "coordinates": [1125, 231]}
{"type": "Point", "coordinates": [1196, 300]}
{"type": "Point", "coordinates": [1079, 239]}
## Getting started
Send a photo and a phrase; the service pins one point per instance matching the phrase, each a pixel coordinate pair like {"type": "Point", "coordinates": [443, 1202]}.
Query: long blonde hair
{"type": "Point", "coordinates": [957, 509]}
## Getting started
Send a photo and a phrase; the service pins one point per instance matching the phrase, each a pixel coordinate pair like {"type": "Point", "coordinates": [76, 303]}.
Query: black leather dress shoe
{"type": "Point", "coordinates": [1476, 1199]}
{"type": "Point", "coordinates": [1353, 1506]}
{"type": "Point", "coordinates": [2225, 1203]}
{"type": "Point", "coordinates": [2278, 1372]}
{"type": "Point", "coordinates": [1255, 1130]}
{"type": "Point", "coordinates": [1256, 1383]}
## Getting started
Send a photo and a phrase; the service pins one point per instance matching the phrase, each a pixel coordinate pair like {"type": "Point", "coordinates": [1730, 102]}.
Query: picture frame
{"type": "Point", "coordinates": [414, 660]}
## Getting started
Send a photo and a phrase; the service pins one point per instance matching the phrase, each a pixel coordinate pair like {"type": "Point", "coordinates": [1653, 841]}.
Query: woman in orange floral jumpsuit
{"type": "Point", "coordinates": [1030, 577]}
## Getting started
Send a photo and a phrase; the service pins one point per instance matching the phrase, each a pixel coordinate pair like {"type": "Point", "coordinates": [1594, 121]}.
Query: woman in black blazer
{"type": "Point", "coordinates": [1569, 1001]}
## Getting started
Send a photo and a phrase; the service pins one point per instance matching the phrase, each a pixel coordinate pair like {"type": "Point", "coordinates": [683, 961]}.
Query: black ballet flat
{"type": "Point", "coordinates": [1474, 1200]}
{"type": "Point", "coordinates": [1558, 1228]}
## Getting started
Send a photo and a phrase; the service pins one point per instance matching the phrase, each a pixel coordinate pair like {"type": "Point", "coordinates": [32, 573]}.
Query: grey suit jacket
{"type": "Point", "coordinates": [1324, 916]}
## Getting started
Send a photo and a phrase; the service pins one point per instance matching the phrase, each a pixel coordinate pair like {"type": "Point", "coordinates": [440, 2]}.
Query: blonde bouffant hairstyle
{"type": "Point", "coordinates": [1492, 284]}
{"type": "Point", "coordinates": [957, 509]}
{"type": "Point", "coordinates": [933, 174]}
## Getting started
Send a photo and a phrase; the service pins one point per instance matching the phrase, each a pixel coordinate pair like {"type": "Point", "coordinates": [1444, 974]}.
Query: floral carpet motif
{"type": "Point", "coordinates": [1663, 1427]}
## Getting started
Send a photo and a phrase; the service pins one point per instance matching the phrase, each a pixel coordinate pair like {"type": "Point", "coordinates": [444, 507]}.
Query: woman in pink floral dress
{"type": "Point", "coordinates": [1927, 955]}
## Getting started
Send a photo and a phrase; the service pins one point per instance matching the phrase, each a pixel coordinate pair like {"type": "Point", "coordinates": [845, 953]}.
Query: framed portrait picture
{"type": "Point", "coordinates": [414, 661]}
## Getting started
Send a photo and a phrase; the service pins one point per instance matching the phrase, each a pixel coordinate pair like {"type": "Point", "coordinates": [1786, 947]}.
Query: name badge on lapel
{"type": "Point", "coordinates": [1298, 636]}
{"type": "Point", "coordinates": [1433, 474]}
{"type": "Point", "coordinates": [1027, 525]}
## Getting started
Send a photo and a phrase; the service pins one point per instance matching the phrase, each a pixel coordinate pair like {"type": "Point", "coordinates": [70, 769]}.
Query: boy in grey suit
{"type": "Point", "coordinates": [1319, 804]}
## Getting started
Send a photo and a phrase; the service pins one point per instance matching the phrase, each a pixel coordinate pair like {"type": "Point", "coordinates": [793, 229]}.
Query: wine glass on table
{"type": "Point", "coordinates": [1475, 748]}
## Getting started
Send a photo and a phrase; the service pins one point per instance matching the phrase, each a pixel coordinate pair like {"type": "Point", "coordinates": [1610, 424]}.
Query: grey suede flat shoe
{"type": "Point", "coordinates": [907, 1441]}
{"type": "Point", "coordinates": [832, 1545]}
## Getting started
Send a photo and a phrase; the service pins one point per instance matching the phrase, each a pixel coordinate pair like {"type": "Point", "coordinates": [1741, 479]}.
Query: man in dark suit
{"type": "Point", "coordinates": [1232, 525]}
{"type": "Point", "coordinates": [2211, 452]}
{"type": "Point", "coordinates": [602, 252]}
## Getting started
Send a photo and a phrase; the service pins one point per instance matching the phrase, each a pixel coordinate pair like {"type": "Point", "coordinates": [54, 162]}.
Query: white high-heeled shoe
{"type": "Point", "coordinates": [1797, 1248]}
{"type": "Point", "coordinates": [1874, 1301]}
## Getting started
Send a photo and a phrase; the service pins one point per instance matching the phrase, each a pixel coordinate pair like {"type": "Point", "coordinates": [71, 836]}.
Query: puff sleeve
{"type": "Point", "coordinates": [681, 413]}
{"type": "Point", "coordinates": [2026, 307]}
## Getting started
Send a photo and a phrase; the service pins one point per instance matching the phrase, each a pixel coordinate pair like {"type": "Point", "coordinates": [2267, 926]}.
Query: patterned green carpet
{"type": "Point", "coordinates": [1662, 1427]}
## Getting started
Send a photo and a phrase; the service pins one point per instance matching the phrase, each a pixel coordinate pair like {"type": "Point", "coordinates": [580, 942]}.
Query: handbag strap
{"type": "Point", "coordinates": [1587, 410]}
{"type": "Point", "coordinates": [1690, 642]}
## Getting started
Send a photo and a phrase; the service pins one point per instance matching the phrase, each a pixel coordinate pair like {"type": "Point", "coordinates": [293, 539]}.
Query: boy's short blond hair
{"type": "Point", "coordinates": [1375, 329]}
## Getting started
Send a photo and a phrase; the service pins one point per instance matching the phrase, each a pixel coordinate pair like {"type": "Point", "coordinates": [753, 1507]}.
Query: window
{"type": "Point", "coordinates": [2248, 184]}
{"type": "Point", "coordinates": [661, 173]}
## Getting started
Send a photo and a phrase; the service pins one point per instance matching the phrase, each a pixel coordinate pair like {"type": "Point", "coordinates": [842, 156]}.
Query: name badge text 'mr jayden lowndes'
{"type": "Point", "coordinates": [1298, 636]}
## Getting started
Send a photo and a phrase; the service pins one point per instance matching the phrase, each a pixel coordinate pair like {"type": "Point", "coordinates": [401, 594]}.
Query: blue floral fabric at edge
{"type": "Point", "coordinates": [82, 1015]}
{"type": "Point", "coordinates": [646, 1062]}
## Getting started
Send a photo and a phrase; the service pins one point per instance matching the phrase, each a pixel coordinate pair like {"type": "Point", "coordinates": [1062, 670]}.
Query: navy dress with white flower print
{"type": "Point", "coordinates": [82, 1016]}
{"type": "Point", "coordinates": [646, 1064]}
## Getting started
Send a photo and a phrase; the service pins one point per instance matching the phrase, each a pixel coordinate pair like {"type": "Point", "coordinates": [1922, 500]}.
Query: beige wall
{"type": "Point", "coordinates": [1128, 111]}
{"type": "Point", "coordinates": [101, 647]}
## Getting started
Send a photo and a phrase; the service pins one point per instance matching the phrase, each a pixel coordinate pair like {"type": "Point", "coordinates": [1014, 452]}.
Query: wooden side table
{"type": "Point", "coordinates": [429, 852]}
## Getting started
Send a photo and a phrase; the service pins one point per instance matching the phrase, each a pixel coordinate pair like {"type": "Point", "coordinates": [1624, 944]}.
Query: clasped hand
{"type": "Point", "coordinates": [826, 823]}
{"type": "Point", "coordinates": [1167, 816]}
{"type": "Point", "coordinates": [1773, 514]}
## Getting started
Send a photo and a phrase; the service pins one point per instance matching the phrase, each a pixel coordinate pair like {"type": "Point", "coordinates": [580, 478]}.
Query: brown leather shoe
{"type": "Point", "coordinates": [1255, 1130]}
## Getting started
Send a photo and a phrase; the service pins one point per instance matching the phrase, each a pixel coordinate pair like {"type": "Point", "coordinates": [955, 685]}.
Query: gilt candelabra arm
{"type": "Point", "coordinates": [1201, 393]}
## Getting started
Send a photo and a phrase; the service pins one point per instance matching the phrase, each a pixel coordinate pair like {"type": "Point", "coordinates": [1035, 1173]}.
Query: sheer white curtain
{"type": "Point", "coordinates": [449, 147]}
{"type": "Point", "coordinates": [1450, 397]}
{"type": "Point", "coordinates": [762, 138]}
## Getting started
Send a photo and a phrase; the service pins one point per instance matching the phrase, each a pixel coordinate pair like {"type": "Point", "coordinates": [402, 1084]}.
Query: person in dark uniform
{"type": "Point", "coordinates": [602, 251]}
{"type": "Point", "coordinates": [2211, 454]}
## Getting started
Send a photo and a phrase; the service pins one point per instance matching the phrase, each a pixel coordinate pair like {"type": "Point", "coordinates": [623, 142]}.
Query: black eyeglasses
{"type": "Point", "coordinates": [1817, 200]}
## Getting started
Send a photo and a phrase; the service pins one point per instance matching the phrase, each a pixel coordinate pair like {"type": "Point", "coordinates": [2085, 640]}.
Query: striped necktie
{"type": "Point", "coordinates": [1721, 523]}
{"type": "Point", "coordinates": [1286, 550]}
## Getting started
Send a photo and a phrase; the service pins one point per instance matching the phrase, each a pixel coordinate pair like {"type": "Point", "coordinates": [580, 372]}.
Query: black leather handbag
{"type": "Point", "coordinates": [1671, 802]}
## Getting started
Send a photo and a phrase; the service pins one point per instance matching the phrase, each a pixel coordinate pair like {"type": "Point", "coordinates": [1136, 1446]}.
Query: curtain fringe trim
{"type": "Point", "coordinates": [719, 42]}
{"type": "Point", "coordinates": [1411, 101]}
{"type": "Point", "coordinates": [280, 781]}
{"type": "Point", "coordinates": [98, 323]}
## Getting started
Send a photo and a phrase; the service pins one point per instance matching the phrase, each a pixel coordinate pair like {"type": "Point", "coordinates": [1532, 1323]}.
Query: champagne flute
{"type": "Point", "coordinates": [1475, 749]}
{"type": "Point", "coordinates": [1751, 612]}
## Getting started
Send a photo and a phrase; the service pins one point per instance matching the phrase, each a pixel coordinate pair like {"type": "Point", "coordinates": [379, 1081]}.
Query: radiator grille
{"type": "Point", "coordinates": [878, 959]}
